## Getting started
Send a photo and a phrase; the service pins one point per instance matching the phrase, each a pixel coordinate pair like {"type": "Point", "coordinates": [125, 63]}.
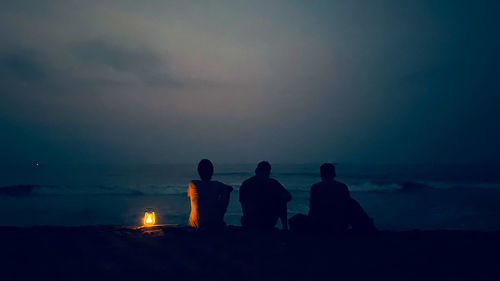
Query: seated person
{"type": "Point", "coordinates": [209, 199]}
{"type": "Point", "coordinates": [263, 200]}
{"type": "Point", "coordinates": [331, 207]}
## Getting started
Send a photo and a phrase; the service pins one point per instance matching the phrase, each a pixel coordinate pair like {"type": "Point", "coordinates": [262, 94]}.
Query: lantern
{"type": "Point", "coordinates": [149, 217]}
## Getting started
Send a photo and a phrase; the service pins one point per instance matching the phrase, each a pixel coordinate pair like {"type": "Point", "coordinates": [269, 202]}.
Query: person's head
{"type": "Point", "coordinates": [205, 169]}
{"type": "Point", "coordinates": [263, 169]}
{"type": "Point", "coordinates": [327, 171]}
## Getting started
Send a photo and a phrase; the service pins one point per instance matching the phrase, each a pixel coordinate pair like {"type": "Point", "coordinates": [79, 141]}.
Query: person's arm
{"type": "Point", "coordinates": [346, 191]}
{"type": "Point", "coordinates": [241, 192]}
{"type": "Point", "coordinates": [190, 189]}
{"type": "Point", "coordinates": [243, 198]}
{"type": "Point", "coordinates": [224, 199]}
{"type": "Point", "coordinates": [286, 197]}
{"type": "Point", "coordinates": [284, 216]}
{"type": "Point", "coordinates": [312, 201]}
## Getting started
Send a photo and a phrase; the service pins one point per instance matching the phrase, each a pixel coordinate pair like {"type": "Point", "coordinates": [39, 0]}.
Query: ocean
{"type": "Point", "coordinates": [397, 197]}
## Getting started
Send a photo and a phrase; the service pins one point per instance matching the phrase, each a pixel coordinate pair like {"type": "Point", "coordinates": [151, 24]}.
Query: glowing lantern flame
{"type": "Point", "coordinates": [149, 218]}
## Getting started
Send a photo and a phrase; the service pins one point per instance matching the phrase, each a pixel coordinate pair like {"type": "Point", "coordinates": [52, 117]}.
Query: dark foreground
{"type": "Point", "coordinates": [170, 253]}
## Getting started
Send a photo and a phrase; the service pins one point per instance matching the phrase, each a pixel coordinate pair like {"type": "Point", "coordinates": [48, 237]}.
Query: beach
{"type": "Point", "coordinates": [181, 253]}
{"type": "Point", "coordinates": [81, 223]}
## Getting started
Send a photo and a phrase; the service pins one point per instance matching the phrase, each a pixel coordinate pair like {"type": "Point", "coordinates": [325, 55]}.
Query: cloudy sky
{"type": "Point", "coordinates": [241, 81]}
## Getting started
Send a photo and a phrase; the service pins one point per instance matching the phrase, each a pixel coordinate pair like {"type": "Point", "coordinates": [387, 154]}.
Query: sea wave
{"type": "Point", "coordinates": [415, 186]}
{"type": "Point", "coordinates": [33, 190]}
{"type": "Point", "coordinates": [180, 189]}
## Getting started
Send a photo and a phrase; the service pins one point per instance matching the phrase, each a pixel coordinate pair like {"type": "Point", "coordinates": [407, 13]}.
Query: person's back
{"type": "Point", "coordinates": [328, 205]}
{"type": "Point", "coordinates": [331, 207]}
{"type": "Point", "coordinates": [209, 199]}
{"type": "Point", "coordinates": [263, 200]}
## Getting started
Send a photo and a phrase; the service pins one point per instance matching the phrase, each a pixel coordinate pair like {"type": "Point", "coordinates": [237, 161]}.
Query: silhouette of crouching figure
{"type": "Point", "coordinates": [331, 208]}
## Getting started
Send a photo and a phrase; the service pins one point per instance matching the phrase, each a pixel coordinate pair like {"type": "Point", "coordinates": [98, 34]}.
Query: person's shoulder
{"type": "Point", "coordinates": [248, 181]}
{"type": "Point", "coordinates": [340, 184]}
{"type": "Point", "coordinates": [277, 185]}
{"type": "Point", "coordinates": [316, 186]}
{"type": "Point", "coordinates": [223, 186]}
{"type": "Point", "coordinates": [194, 183]}
{"type": "Point", "coordinates": [251, 179]}
{"type": "Point", "coordinates": [274, 181]}
{"type": "Point", "coordinates": [217, 183]}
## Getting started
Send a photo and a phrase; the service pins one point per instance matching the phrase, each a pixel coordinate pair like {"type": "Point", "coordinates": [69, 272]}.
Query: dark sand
{"type": "Point", "coordinates": [176, 253]}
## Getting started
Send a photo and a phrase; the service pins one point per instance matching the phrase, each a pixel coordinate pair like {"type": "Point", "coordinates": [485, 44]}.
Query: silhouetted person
{"type": "Point", "coordinates": [209, 199]}
{"type": "Point", "coordinates": [263, 200]}
{"type": "Point", "coordinates": [329, 200]}
{"type": "Point", "coordinates": [331, 207]}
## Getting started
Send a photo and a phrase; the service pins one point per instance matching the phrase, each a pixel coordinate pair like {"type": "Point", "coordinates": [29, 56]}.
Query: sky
{"type": "Point", "coordinates": [242, 81]}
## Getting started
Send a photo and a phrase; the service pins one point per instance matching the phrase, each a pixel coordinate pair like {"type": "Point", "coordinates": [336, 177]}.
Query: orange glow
{"type": "Point", "coordinates": [149, 218]}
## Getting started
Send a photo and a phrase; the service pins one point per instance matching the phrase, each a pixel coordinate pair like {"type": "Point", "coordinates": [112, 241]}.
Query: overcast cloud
{"type": "Point", "coordinates": [242, 81]}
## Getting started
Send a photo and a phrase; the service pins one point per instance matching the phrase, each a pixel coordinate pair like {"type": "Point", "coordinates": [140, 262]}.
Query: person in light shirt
{"type": "Point", "coordinates": [209, 199]}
